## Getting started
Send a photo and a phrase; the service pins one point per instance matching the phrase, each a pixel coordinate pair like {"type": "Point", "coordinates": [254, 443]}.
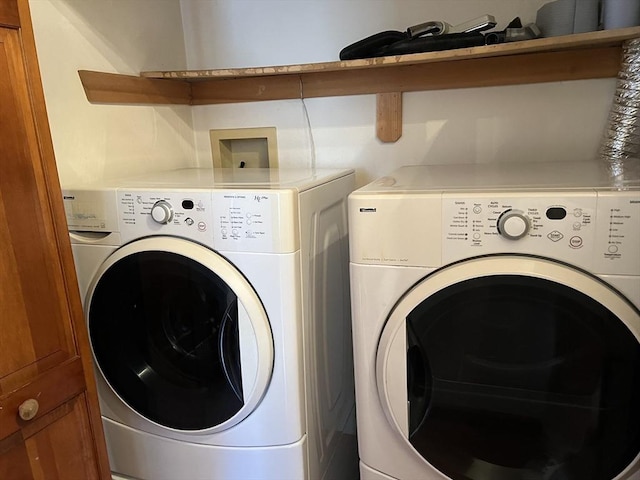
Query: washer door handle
{"type": "Point", "coordinates": [231, 372]}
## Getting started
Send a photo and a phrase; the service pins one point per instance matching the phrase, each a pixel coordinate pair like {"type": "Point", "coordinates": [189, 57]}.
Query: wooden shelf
{"type": "Point", "coordinates": [571, 57]}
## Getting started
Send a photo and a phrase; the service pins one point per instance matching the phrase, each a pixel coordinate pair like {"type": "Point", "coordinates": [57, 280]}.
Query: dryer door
{"type": "Point", "coordinates": [179, 334]}
{"type": "Point", "coordinates": [514, 368]}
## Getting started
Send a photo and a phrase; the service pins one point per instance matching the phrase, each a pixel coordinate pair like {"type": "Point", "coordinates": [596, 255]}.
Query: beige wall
{"type": "Point", "coordinates": [94, 142]}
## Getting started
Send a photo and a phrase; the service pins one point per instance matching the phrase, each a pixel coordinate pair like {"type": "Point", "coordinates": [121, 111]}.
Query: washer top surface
{"type": "Point", "coordinates": [298, 179]}
{"type": "Point", "coordinates": [499, 176]}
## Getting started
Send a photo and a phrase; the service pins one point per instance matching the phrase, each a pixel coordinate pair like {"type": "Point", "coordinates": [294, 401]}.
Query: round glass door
{"type": "Point", "coordinates": [179, 334]}
{"type": "Point", "coordinates": [515, 369]}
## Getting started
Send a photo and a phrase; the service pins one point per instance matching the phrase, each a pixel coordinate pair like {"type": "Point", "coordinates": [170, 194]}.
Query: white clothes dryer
{"type": "Point", "coordinates": [496, 323]}
{"type": "Point", "coordinates": [217, 303]}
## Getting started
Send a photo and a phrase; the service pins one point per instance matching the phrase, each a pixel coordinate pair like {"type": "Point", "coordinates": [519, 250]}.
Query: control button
{"type": "Point", "coordinates": [575, 242]}
{"type": "Point", "coordinates": [556, 213]}
{"type": "Point", "coordinates": [476, 236]}
{"type": "Point", "coordinates": [555, 236]}
{"type": "Point", "coordinates": [477, 209]}
{"type": "Point", "coordinates": [188, 221]}
{"type": "Point", "coordinates": [162, 212]}
{"type": "Point", "coordinates": [223, 231]}
{"type": "Point", "coordinates": [187, 204]}
{"type": "Point", "coordinates": [513, 224]}
{"type": "Point", "coordinates": [577, 212]}
{"type": "Point", "coordinates": [234, 232]}
{"type": "Point", "coordinates": [577, 226]}
{"type": "Point", "coordinates": [613, 249]}
{"type": "Point", "coordinates": [386, 181]}
{"type": "Point", "coordinates": [202, 226]}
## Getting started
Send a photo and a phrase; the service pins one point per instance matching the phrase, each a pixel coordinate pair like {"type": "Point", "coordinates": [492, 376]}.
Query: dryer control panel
{"type": "Point", "coordinates": [584, 229]}
{"type": "Point", "coordinates": [617, 249]}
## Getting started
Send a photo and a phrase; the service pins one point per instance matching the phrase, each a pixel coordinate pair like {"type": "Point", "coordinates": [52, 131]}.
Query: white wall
{"type": "Point", "coordinates": [562, 121]}
{"type": "Point", "coordinates": [94, 142]}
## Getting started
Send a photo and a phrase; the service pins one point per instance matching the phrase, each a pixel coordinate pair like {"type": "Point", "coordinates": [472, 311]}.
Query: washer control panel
{"type": "Point", "coordinates": [180, 213]}
{"type": "Point", "coordinates": [243, 217]}
{"type": "Point", "coordinates": [226, 220]}
{"type": "Point", "coordinates": [583, 228]}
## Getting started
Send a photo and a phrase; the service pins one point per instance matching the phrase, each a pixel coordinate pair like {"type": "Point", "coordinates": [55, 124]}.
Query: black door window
{"type": "Point", "coordinates": [164, 331]}
{"type": "Point", "coordinates": [513, 377]}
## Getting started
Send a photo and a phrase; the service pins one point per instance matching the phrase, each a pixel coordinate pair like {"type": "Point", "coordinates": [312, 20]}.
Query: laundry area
{"type": "Point", "coordinates": [320, 240]}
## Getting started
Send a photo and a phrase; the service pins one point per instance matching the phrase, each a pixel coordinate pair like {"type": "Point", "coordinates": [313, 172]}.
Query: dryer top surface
{"type": "Point", "coordinates": [500, 176]}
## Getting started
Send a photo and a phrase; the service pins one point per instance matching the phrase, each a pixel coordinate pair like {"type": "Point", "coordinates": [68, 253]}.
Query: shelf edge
{"type": "Point", "coordinates": [470, 73]}
{"type": "Point", "coordinates": [587, 40]}
{"type": "Point", "coordinates": [107, 88]}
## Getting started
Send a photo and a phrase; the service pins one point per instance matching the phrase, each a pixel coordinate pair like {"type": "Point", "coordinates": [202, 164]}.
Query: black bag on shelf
{"type": "Point", "coordinates": [436, 36]}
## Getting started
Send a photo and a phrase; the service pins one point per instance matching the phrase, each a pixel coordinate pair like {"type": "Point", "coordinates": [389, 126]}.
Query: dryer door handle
{"type": "Point", "coordinates": [419, 381]}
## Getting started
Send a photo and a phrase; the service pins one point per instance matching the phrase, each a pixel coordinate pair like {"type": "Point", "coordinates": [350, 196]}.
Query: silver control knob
{"type": "Point", "coordinates": [162, 212]}
{"type": "Point", "coordinates": [513, 224]}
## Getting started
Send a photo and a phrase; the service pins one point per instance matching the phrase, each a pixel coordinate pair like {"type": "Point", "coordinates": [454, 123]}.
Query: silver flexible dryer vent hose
{"type": "Point", "coordinates": [620, 147]}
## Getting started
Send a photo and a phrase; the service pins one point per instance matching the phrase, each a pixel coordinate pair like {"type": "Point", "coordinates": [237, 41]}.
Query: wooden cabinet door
{"type": "Point", "coordinates": [50, 424]}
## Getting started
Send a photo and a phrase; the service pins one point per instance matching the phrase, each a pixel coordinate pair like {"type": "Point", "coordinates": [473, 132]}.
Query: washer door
{"type": "Point", "coordinates": [514, 368]}
{"type": "Point", "coordinates": [179, 334]}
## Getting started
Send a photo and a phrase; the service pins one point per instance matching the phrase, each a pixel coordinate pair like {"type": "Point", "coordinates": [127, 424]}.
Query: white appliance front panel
{"type": "Point", "coordinates": [401, 229]}
{"type": "Point", "coordinates": [391, 352]}
{"type": "Point", "coordinates": [144, 456]}
{"type": "Point", "coordinates": [284, 397]}
{"type": "Point", "coordinates": [255, 221]}
{"type": "Point", "coordinates": [618, 234]}
{"type": "Point", "coordinates": [91, 210]}
{"type": "Point", "coordinates": [384, 451]}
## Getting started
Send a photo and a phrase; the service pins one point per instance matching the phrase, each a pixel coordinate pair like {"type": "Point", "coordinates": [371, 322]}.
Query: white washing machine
{"type": "Point", "coordinates": [496, 323]}
{"type": "Point", "coordinates": [218, 310]}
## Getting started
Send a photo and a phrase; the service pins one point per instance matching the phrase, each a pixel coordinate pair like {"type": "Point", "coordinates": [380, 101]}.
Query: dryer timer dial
{"type": "Point", "coordinates": [162, 212]}
{"type": "Point", "coordinates": [513, 224]}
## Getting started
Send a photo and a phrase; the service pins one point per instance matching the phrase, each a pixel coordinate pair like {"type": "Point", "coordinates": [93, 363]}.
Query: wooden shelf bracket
{"type": "Point", "coordinates": [389, 116]}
